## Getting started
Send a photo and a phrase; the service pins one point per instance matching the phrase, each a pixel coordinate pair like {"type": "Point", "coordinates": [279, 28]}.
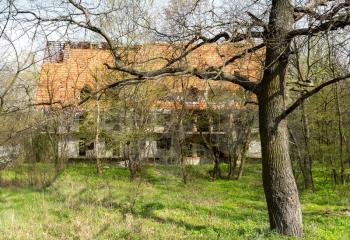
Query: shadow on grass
{"type": "Point", "coordinates": [343, 212]}
{"type": "Point", "coordinates": [35, 182]}
{"type": "Point", "coordinates": [148, 212]}
{"type": "Point", "coordinates": [30, 184]}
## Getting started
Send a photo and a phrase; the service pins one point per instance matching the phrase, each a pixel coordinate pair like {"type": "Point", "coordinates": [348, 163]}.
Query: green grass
{"type": "Point", "coordinates": [80, 205]}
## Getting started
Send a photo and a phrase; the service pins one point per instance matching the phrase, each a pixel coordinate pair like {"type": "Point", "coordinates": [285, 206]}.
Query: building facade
{"type": "Point", "coordinates": [172, 107]}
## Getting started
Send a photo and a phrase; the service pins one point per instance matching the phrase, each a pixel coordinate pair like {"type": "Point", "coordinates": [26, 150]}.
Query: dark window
{"type": "Point", "coordinates": [90, 146]}
{"type": "Point", "coordinates": [203, 122]}
{"type": "Point", "coordinates": [82, 147]}
{"type": "Point", "coordinates": [193, 94]}
{"type": "Point", "coordinates": [164, 143]}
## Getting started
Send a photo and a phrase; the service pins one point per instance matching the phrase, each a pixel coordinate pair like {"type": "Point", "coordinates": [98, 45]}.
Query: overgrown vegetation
{"type": "Point", "coordinates": [81, 205]}
{"type": "Point", "coordinates": [290, 57]}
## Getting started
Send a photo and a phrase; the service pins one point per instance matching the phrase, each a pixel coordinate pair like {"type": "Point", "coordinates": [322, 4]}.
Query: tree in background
{"type": "Point", "coordinates": [322, 135]}
{"type": "Point", "coordinates": [271, 25]}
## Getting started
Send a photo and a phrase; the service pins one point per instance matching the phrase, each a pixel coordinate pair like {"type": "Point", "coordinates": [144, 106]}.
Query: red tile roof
{"type": "Point", "coordinates": [71, 66]}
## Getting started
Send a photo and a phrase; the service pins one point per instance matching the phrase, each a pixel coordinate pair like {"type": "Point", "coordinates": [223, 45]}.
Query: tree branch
{"type": "Point", "coordinates": [340, 21]}
{"type": "Point", "coordinates": [240, 55]}
{"type": "Point", "coordinates": [308, 94]}
{"type": "Point", "coordinates": [309, 8]}
{"type": "Point", "coordinates": [139, 75]}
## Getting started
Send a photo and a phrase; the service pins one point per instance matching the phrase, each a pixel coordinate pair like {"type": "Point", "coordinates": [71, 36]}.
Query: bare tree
{"type": "Point", "coordinates": [271, 26]}
{"type": "Point", "coordinates": [243, 129]}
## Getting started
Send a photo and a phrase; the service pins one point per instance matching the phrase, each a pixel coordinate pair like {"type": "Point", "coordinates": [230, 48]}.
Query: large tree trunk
{"type": "Point", "coordinates": [279, 184]}
{"type": "Point", "coordinates": [278, 180]}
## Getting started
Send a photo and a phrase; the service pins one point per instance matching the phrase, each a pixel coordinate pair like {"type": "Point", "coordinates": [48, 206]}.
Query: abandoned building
{"type": "Point", "coordinates": [73, 70]}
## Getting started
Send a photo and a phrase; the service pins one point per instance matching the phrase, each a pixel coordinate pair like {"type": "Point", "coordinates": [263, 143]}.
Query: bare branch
{"type": "Point", "coordinates": [309, 8]}
{"type": "Point", "coordinates": [335, 23]}
{"type": "Point", "coordinates": [247, 51]}
{"type": "Point", "coordinates": [257, 21]}
{"type": "Point", "coordinates": [308, 94]}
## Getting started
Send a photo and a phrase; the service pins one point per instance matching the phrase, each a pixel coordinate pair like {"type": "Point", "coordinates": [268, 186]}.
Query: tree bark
{"type": "Point", "coordinates": [131, 161]}
{"type": "Point", "coordinates": [236, 158]}
{"type": "Point", "coordinates": [278, 180]}
{"type": "Point", "coordinates": [243, 131]}
{"type": "Point", "coordinates": [216, 170]}
{"type": "Point", "coordinates": [279, 184]}
{"type": "Point", "coordinates": [307, 161]}
{"type": "Point", "coordinates": [97, 136]}
{"type": "Point", "coordinates": [296, 151]}
{"type": "Point", "coordinates": [245, 146]}
{"type": "Point", "coordinates": [214, 152]}
{"type": "Point", "coordinates": [341, 135]}
{"type": "Point", "coordinates": [231, 166]}
{"type": "Point", "coordinates": [233, 163]}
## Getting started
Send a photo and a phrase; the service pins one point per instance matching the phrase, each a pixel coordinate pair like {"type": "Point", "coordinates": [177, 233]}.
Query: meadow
{"type": "Point", "coordinates": [78, 204]}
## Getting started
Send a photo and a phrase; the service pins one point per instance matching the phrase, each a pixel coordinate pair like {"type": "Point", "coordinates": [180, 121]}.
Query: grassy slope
{"type": "Point", "coordinates": [79, 205]}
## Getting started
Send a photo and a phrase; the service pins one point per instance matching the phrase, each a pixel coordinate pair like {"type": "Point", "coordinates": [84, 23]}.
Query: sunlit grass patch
{"type": "Point", "coordinates": [81, 205]}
